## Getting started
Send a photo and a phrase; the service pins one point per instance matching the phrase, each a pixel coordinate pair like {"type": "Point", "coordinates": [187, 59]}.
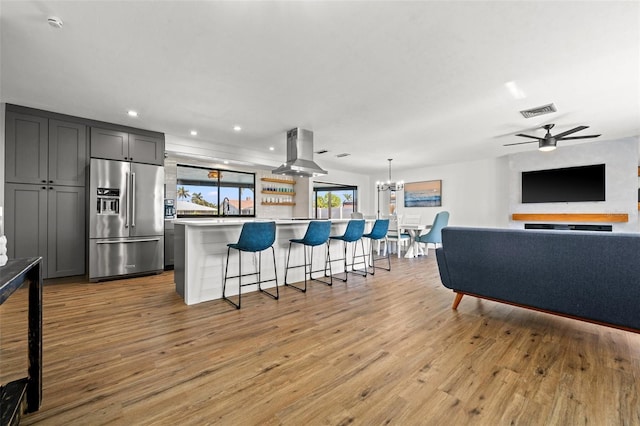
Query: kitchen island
{"type": "Point", "coordinates": [201, 253]}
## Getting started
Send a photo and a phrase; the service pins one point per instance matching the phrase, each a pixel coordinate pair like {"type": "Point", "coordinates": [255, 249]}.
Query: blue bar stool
{"type": "Point", "coordinates": [379, 232]}
{"type": "Point", "coordinates": [317, 234]}
{"type": "Point", "coordinates": [255, 237]}
{"type": "Point", "coordinates": [353, 234]}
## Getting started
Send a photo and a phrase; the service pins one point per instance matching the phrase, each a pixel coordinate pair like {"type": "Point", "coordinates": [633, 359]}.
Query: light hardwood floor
{"type": "Point", "coordinates": [378, 350]}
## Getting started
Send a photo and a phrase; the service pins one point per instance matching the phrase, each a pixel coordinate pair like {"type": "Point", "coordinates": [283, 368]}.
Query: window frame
{"type": "Point", "coordinates": [219, 185]}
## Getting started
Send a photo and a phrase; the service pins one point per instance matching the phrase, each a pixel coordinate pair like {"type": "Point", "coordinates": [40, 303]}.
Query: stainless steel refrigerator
{"type": "Point", "coordinates": [126, 220]}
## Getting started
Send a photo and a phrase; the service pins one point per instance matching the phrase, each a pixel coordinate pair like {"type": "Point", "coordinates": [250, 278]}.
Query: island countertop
{"type": "Point", "coordinates": [201, 252]}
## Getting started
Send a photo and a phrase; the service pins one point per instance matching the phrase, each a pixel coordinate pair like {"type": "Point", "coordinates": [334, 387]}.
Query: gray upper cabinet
{"type": "Point", "coordinates": [109, 144]}
{"type": "Point", "coordinates": [26, 154]}
{"type": "Point", "coordinates": [44, 151]}
{"type": "Point", "coordinates": [116, 145]}
{"type": "Point", "coordinates": [67, 153]}
{"type": "Point", "coordinates": [146, 149]}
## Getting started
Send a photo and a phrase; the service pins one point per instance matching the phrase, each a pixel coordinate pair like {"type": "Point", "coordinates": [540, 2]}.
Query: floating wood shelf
{"type": "Point", "coordinates": [279, 193]}
{"type": "Point", "coordinates": [290, 182]}
{"type": "Point", "coordinates": [573, 217]}
{"type": "Point", "coordinates": [278, 204]}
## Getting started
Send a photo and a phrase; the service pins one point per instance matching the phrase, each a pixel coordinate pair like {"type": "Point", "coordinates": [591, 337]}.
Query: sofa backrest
{"type": "Point", "coordinates": [594, 275]}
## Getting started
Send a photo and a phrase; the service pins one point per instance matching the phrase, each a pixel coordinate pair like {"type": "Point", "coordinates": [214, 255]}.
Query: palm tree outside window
{"type": "Point", "coordinates": [207, 192]}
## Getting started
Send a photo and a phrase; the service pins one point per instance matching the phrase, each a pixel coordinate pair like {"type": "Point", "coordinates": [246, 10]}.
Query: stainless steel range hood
{"type": "Point", "coordinates": [300, 155]}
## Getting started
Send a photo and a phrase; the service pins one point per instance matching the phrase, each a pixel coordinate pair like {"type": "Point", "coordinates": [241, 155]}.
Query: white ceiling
{"type": "Point", "coordinates": [420, 82]}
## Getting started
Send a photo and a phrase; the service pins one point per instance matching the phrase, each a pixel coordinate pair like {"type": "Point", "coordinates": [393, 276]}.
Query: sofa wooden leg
{"type": "Point", "coordinates": [457, 301]}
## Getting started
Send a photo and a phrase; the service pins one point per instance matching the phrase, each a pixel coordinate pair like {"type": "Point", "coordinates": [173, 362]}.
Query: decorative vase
{"type": "Point", "coordinates": [3, 250]}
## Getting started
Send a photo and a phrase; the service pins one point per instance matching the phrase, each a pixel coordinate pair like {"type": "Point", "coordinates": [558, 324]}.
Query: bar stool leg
{"type": "Point", "coordinates": [286, 271]}
{"type": "Point", "coordinates": [275, 271]}
{"type": "Point", "coordinates": [328, 259]}
{"type": "Point", "coordinates": [224, 283]}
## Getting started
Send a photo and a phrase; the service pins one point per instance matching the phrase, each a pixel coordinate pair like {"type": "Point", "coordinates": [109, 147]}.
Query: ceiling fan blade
{"type": "Point", "coordinates": [519, 143]}
{"type": "Point", "coordinates": [578, 137]}
{"type": "Point", "coordinates": [568, 132]}
{"type": "Point", "coordinates": [529, 136]}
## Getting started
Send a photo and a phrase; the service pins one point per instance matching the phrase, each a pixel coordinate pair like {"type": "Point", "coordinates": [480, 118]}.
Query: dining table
{"type": "Point", "coordinates": [414, 230]}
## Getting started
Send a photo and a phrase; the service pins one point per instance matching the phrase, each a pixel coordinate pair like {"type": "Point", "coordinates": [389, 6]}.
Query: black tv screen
{"type": "Point", "coordinates": [571, 184]}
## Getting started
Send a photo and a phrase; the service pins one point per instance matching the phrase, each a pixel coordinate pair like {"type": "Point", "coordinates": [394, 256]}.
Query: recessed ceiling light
{"type": "Point", "coordinates": [194, 133]}
{"type": "Point", "coordinates": [132, 113]}
{"type": "Point", "coordinates": [55, 22]}
{"type": "Point", "coordinates": [226, 161]}
{"type": "Point", "coordinates": [237, 128]}
{"type": "Point", "coordinates": [271, 148]}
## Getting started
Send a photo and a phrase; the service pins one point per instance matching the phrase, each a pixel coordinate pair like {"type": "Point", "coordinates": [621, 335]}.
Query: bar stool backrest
{"type": "Point", "coordinates": [256, 236]}
{"type": "Point", "coordinates": [317, 233]}
{"type": "Point", "coordinates": [354, 231]}
{"type": "Point", "coordinates": [380, 228]}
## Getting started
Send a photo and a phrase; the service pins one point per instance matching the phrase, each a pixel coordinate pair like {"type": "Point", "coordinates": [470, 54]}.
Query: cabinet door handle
{"type": "Point", "coordinates": [44, 181]}
{"type": "Point", "coordinates": [51, 187]}
{"type": "Point", "coordinates": [50, 181]}
{"type": "Point", "coordinates": [44, 187]}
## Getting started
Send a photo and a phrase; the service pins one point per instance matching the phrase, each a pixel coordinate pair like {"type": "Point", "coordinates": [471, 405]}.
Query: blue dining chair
{"type": "Point", "coordinates": [353, 234]}
{"type": "Point", "coordinates": [317, 234]}
{"type": "Point", "coordinates": [434, 236]}
{"type": "Point", "coordinates": [255, 237]}
{"type": "Point", "coordinates": [378, 232]}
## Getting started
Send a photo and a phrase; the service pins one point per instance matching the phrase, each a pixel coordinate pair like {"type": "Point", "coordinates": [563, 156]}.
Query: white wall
{"type": "Point", "coordinates": [474, 193]}
{"type": "Point", "coordinates": [621, 165]}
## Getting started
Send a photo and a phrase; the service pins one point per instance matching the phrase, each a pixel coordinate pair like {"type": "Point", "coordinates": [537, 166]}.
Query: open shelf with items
{"type": "Point", "coordinates": [275, 180]}
{"type": "Point", "coordinates": [265, 203]}
{"type": "Point", "coordinates": [289, 194]}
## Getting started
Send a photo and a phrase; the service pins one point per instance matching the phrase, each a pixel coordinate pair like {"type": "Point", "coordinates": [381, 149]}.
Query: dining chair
{"type": "Point", "coordinates": [394, 236]}
{"type": "Point", "coordinates": [317, 234]}
{"type": "Point", "coordinates": [434, 236]}
{"type": "Point", "coordinates": [255, 237]}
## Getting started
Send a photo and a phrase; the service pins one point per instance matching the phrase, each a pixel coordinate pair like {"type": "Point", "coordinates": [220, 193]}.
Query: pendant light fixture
{"type": "Point", "coordinates": [389, 184]}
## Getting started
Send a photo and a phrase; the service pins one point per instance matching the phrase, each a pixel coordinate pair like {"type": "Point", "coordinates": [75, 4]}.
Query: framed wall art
{"type": "Point", "coordinates": [423, 194]}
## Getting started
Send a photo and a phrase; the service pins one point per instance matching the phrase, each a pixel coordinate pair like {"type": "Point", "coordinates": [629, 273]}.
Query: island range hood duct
{"type": "Point", "coordinates": [300, 155]}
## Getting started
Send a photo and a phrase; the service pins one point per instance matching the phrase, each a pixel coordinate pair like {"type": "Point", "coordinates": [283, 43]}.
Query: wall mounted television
{"type": "Point", "coordinates": [570, 184]}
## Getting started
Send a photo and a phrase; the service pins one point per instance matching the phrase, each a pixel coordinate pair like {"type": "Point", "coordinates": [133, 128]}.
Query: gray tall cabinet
{"type": "Point", "coordinates": [46, 161]}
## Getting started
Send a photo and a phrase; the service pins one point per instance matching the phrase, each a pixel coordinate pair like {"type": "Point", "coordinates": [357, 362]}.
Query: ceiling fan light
{"type": "Point", "coordinates": [547, 148]}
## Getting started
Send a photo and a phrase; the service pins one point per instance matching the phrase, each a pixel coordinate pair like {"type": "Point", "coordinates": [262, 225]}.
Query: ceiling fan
{"type": "Point", "coordinates": [549, 141]}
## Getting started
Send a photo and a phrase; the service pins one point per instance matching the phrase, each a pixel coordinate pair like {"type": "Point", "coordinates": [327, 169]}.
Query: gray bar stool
{"type": "Point", "coordinates": [255, 237]}
{"type": "Point", "coordinates": [317, 234]}
{"type": "Point", "coordinates": [378, 232]}
{"type": "Point", "coordinates": [353, 234]}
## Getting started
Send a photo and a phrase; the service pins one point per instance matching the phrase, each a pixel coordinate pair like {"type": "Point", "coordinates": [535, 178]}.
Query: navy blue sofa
{"type": "Point", "coordinates": [592, 276]}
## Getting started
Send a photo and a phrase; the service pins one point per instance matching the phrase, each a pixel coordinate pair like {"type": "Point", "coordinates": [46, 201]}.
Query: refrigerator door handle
{"type": "Point", "coordinates": [143, 240]}
{"type": "Point", "coordinates": [126, 218]}
{"type": "Point", "coordinates": [133, 200]}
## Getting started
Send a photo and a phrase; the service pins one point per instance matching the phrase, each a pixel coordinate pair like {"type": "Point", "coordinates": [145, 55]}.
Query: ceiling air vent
{"type": "Point", "coordinates": [322, 151]}
{"type": "Point", "coordinates": [344, 154]}
{"type": "Point", "coordinates": [534, 112]}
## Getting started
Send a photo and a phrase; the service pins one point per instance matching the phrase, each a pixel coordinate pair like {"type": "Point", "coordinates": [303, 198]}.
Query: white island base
{"type": "Point", "coordinates": [201, 254]}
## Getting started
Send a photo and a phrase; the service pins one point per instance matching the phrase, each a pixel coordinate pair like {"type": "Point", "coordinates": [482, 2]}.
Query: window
{"type": "Point", "coordinates": [334, 201]}
{"type": "Point", "coordinates": [206, 192]}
